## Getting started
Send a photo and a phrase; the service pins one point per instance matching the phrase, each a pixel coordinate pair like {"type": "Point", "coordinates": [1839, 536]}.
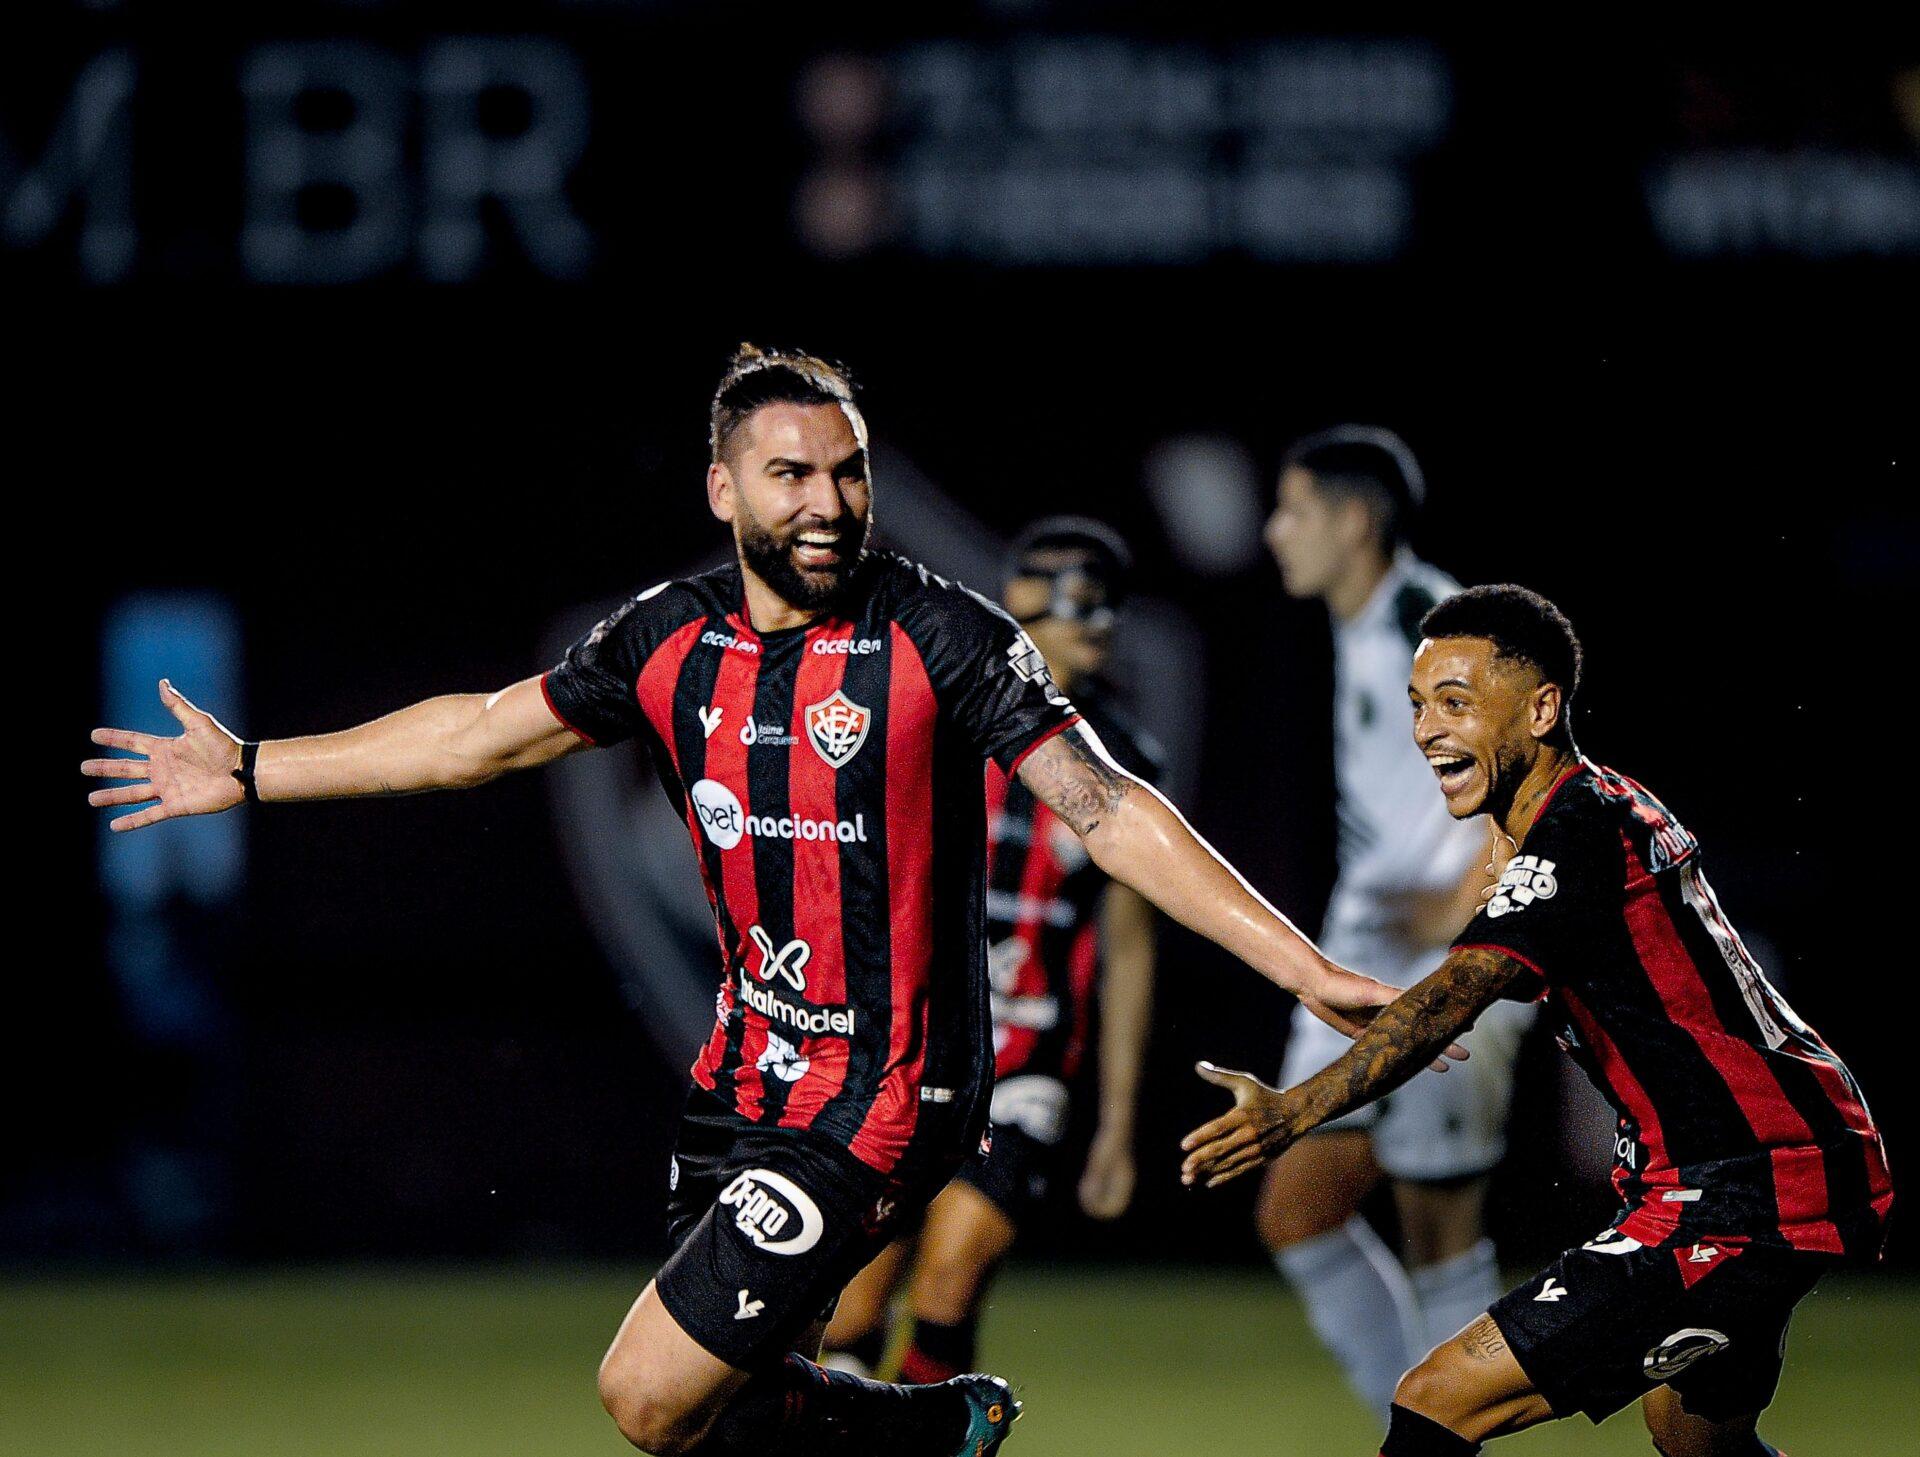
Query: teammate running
{"type": "Point", "coordinates": [1746, 1161]}
{"type": "Point", "coordinates": [1410, 877]}
{"type": "Point", "coordinates": [820, 714]}
{"type": "Point", "coordinates": [1053, 919]}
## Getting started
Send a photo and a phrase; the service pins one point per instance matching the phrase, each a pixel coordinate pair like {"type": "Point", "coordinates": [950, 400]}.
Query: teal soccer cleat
{"type": "Point", "coordinates": [992, 1409]}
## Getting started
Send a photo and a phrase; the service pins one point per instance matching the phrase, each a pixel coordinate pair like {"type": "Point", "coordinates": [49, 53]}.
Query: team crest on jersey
{"type": "Point", "coordinates": [837, 727]}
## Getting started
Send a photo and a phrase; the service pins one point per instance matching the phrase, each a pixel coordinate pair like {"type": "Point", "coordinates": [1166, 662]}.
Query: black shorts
{"type": "Point", "coordinates": [1016, 1174]}
{"type": "Point", "coordinates": [1606, 1323]}
{"type": "Point", "coordinates": [768, 1225]}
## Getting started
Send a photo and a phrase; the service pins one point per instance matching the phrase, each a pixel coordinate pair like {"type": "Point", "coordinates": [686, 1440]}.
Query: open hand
{"type": "Point", "coordinates": [191, 774]}
{"type": "Point", "coordinates": [1255, 1131]}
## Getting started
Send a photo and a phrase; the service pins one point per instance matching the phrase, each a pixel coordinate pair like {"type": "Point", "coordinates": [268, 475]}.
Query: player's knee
{"type": "Point", "coordinates": [652, 1425]}
{"type": "Point", "coordinates": [1430, 1389]}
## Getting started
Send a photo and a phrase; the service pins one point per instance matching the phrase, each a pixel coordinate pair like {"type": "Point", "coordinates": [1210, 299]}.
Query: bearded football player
{"type": "Point", "coordinates": [1746, 1162]}
{"type": "Point", "coordinates": [820, 714]}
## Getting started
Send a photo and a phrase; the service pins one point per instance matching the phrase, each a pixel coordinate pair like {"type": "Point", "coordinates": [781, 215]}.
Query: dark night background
{"type": "Point", "coordinates": [392, 1032]}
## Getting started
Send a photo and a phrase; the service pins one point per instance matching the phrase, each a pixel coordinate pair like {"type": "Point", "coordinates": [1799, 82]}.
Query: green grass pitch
{"type": "Point", "coordinates": [487, 1363]}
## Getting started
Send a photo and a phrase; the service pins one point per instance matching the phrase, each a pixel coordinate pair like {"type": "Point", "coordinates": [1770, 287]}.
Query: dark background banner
{"type": "Point", "coordinates": [362, 353]}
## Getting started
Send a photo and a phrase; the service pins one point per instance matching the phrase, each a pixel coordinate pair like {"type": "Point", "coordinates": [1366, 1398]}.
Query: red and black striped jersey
{"type": "Point", "coordinates": [1737, 1123]}
{"type": "Point", "coordinates": [1043, 926]}
{"type": "Point", "coordinates": [830, 778]}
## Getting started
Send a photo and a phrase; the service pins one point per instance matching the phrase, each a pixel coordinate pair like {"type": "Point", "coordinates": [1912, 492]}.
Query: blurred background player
{"type": "Point", "coordinates": [1056, 925]}
{"type": "Point", "coordinates": [1409, 878]}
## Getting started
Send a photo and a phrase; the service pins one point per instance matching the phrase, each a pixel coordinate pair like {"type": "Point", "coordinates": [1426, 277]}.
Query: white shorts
{"type": "Point", "coordinates": [1449, 1125]}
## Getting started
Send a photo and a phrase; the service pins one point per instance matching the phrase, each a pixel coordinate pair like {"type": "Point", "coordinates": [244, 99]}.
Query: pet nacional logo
{"type": "Point", "coordinates": [1681, 1349]}
{"type": "Point", "coordinates": [1526, 879]}
{"type": "Point", "coordinates": [774, 1212]}
{"type": "Point", "coordinates": [837, 727]}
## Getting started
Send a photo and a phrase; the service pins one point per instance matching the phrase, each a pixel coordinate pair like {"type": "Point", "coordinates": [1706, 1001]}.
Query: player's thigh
{"type": "Point", "coordinates": [963, 1240]}
{"type": "Point", "coordinates": [660, 1385]}
{"type": "Point", "coordinates": [1472, 1385]}
{"type": "Point", "coordinates": [1676, 1432]}
{"type": "Point", "coordinates": [863, 1304]}
{"type": "Point", "coordinates": [1315, 1187]}
{"type": "Point", "coordinates": [1439, 1219]}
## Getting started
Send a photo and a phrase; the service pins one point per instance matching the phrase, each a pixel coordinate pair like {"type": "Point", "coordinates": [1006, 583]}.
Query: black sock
{"type": "Point", "coordinates": [938, 1350]}
{"type": "Point", "coordinates": [798, 1409]}
{"type": "Point", "coordinates": [1411, 1435]}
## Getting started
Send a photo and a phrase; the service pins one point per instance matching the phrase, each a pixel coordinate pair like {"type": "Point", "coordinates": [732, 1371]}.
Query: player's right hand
{"type": "Point", "coordinates": [191, 774]}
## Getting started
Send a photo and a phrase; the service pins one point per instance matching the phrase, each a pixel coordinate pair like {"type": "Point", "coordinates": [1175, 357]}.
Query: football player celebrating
{"type": "Point", "coordinates": [1746, 1162]}
{"type": "Point", "coordinates": [820, 715]}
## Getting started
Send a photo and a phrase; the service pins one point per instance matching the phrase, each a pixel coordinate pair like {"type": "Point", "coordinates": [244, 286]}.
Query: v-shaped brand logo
{"type": "Point", "coordinates": [788, 963]}
{"type": "Point", "coordinates": [710, 719]}
{"type": "Point", "coordinates": [1552, 1291]}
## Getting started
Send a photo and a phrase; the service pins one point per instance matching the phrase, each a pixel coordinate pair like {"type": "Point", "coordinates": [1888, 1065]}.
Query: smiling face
{"type": "Point", "coordinates": [1483, 721]}
{"type": "Point", "coordinates": [794, 485]}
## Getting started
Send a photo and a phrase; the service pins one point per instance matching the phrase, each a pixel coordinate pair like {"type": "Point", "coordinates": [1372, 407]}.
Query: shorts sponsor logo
{"type": "Point", "coordinates": [1681, 1349]}
{"type": "Point", "coordinates": [724, 822]}
{"type": "Point", "coordinates": [837, 727]}
{"type": "Point", "coordinates": [1526, 879]}
{"type": "Point", "coordinates": [1610, 1243]}
{"type": "Point", "coordinates": [1033, 1103]}
{"type": "Point", "coordinates": [727, 640]}
{"type": "Point", "coordinates": [774, 1212]}
{"type": "Point", "coordinates": [846, 647]}
{"type": "Point", "coordinates": [748, 1308]}
{"type": "Point", "coordinates": [1552, 1292]}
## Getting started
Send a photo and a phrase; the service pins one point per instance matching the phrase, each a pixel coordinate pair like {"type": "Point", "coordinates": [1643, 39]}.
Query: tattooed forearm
{"type": "Point", "coordinates": [1073, 777]}
{"type": "Point", "coordinates": [1482, 1340]}
{"type": "Point", "coordinates": [1409, 1033]}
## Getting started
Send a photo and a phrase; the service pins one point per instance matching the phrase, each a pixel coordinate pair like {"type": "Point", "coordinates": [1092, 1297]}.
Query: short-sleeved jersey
{"type": "Point", "coordinates": [1043, 903]}
{"type": "Point", "coordinates": [1736, 1122]}
{"type": "Point", "coordinates": [830, 778]}
{"type": "Point", "coordinates": [1396, 836]}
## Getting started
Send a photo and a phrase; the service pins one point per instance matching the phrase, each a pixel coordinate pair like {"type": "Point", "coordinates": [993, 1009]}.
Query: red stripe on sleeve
{"type": "Point", "coordinates": [554, 709]}
{"type": "Point", "coordinates": [1058, 728]}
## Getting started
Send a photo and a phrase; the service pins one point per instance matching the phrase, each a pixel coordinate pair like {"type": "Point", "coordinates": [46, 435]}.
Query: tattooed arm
{"type": "Point", "coordinates": [1140, 840]}
{"type": "Point", "coordinates": [1401, 1040]}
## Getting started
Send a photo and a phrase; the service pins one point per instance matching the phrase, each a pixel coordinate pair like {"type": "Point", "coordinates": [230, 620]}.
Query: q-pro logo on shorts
{"type": "Point", "coordinates": [774, 1212]}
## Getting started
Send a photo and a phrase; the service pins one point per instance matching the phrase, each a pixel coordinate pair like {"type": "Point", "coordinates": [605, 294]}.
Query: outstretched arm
{"type": "Point", "coordinates": [1402, 1039]}
{"type": "Point", "coordinates": [1140, 840]}
{"type": "Point", "coordinates": [451, 742]}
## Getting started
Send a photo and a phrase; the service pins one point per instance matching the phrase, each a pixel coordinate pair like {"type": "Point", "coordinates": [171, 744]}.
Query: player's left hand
{"type": "Point", "coordinates": [1256, 1131]}
{"type": "Point", "coordinates": [1106, 1184]}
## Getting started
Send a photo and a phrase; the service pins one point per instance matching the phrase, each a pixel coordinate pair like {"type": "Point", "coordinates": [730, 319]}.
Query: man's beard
{"type": "Point", "coordinates": [807, 588]}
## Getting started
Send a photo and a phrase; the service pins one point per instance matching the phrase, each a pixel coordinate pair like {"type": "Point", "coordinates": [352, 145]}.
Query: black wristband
{"type": "Point", "coordinates": [249, 755]}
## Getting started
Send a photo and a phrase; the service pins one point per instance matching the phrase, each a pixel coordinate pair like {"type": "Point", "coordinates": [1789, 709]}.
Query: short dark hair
{"type": "Point", "coordinates": [757, 377]}
{"type": "Point", "coordinates": [1367, 464]}
{"type": "Point", "coordinates": [1104, 549]}
{"type": "Point", "coordinates": [1523, 627]}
